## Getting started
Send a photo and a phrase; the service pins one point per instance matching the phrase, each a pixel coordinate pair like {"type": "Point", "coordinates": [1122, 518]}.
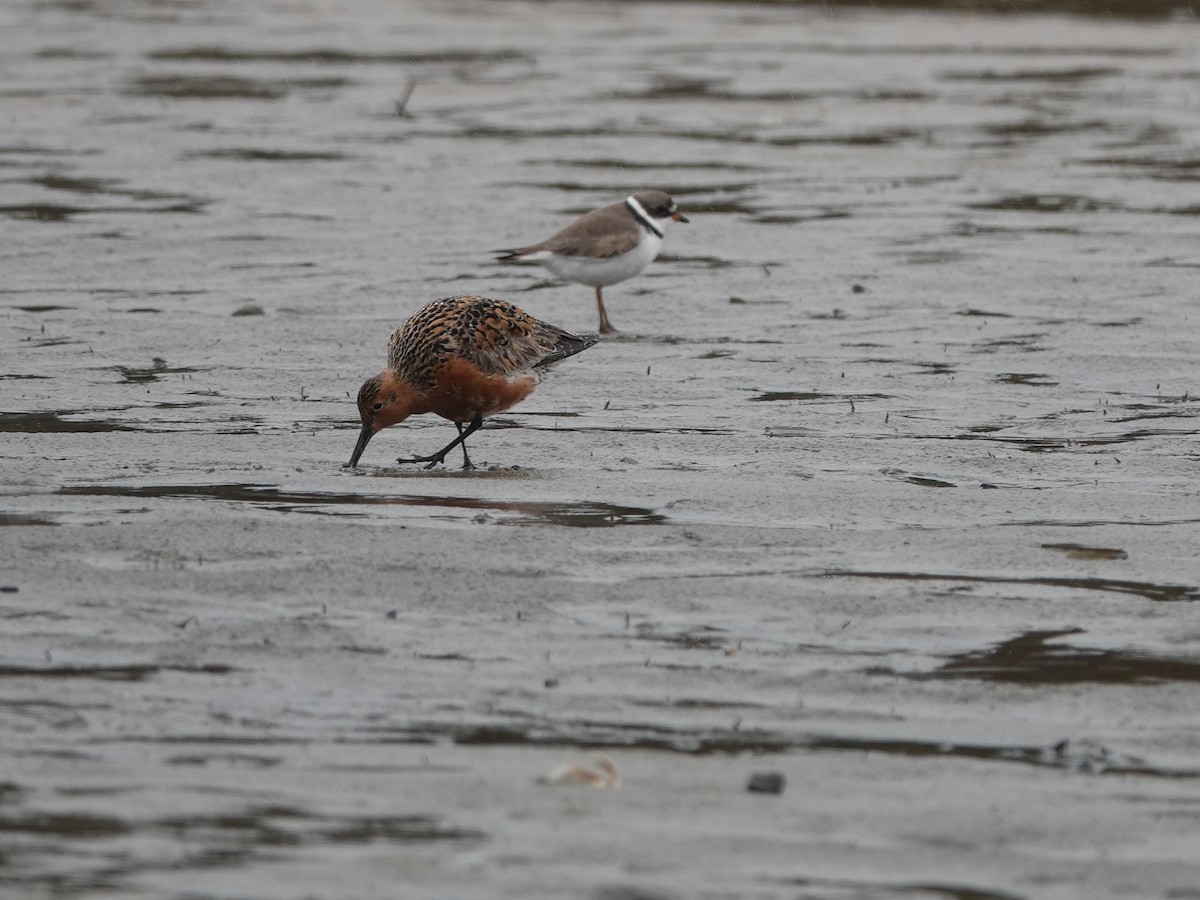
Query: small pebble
{"type": "Point", "coordinates": [766, 783]}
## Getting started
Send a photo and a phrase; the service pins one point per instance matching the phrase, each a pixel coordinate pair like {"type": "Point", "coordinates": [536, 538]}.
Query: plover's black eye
{"type": "Point", "coordinates": [377, 407]}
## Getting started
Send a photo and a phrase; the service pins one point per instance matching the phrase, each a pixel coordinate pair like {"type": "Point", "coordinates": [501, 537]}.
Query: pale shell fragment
{"type": "Point", "coordinates": [605, 776]}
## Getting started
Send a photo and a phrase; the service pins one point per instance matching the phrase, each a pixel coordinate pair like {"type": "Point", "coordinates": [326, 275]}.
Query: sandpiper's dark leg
{"type": "Point", "coordinates": [606, 327]}
{"type": "Point", "coordinates": [440, 456]}
{"type": "Point", "coordinates": [467, 464]}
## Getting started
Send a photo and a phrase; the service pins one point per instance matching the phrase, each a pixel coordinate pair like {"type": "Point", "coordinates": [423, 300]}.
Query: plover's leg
{"type": "Point", "coordinates": [606, 327]}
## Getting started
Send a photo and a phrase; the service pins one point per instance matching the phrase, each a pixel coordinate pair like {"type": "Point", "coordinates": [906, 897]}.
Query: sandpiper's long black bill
{"type": "Point", "coordinates": [364, 438]}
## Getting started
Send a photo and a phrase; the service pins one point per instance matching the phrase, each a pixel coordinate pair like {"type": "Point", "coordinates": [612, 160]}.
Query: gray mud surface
{"type": "Point", "coordinates": [888, 484]}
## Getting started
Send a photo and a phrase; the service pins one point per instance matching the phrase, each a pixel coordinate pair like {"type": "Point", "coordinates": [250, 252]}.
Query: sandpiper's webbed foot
{"type": "Point", "coordinates": [464, 432]}
{"type": "Point", "coordinates": [431, 460]}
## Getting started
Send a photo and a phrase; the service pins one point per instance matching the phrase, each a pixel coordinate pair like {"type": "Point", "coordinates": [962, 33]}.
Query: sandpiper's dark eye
{"type": "Point", "coordinates": [377, 407]}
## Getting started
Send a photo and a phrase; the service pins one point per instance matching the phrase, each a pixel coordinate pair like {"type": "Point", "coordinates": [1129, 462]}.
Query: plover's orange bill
{"type": "Point", "coordinates": [607, 245]}
{"type": "Point", "coordinates": [462, 358]}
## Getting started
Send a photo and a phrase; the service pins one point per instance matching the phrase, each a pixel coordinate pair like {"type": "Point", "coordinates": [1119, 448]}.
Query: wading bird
{"type": "Point", "coordinates": [463, 358]}
{"type": "Point", "coordinates": [607, 245]}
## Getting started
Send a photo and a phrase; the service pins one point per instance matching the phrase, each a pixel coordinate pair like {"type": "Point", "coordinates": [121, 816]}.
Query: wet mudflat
{"type": "Point", "coordinates": [888, 484]}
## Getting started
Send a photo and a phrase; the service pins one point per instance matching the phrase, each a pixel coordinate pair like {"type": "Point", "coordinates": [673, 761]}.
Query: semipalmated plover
{"type": "Point", "coordinates": [607, 245]}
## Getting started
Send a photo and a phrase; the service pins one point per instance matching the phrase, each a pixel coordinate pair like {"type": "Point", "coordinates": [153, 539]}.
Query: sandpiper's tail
{"type": "Point", "coordinates": [567, 344]}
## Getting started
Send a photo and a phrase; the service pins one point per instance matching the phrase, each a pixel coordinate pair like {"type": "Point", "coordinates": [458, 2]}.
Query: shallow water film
{"type": "Point", "coordinates": [882, 503]}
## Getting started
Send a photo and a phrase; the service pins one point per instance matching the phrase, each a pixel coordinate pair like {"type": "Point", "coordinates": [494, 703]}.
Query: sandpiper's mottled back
{"type": "Point", "coordinates": [462, 358]}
